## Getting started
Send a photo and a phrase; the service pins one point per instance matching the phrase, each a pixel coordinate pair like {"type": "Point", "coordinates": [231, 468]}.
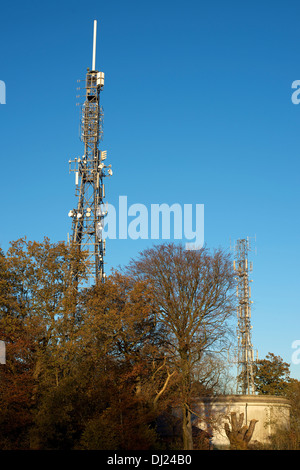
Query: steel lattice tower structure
{"type": "Point", "coordinates": [245, 358]}
{"type": "Point", "coordinates": [90, 171]}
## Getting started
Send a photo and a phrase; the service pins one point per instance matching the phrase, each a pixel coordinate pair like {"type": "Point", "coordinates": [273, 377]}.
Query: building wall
{"type": "Point", "coordinates": [270, 411]}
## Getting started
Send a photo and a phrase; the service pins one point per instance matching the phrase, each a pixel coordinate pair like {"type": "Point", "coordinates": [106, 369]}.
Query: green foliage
{"type": "Point", "coordinates": [101, 434]}
{"type": "Point", "coordinates": [271, 375]}
{"type": "Point", "coordinates": [58, 417]}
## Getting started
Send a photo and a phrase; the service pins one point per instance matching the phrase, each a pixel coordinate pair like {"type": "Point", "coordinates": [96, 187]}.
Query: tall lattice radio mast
{"type": "Point", "coordinates": [90, 171]}
{"type": "Point", "coordinates": [245, 358]}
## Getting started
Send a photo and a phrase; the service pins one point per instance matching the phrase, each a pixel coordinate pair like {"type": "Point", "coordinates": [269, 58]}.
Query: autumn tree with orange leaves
{"type": "Point", "coordinates": [36, 323]}
{"type": "Point", "coordinates": [122, 337]}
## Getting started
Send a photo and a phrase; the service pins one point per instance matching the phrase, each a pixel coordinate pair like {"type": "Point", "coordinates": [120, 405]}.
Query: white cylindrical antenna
{"type": "Point", "coordinates": [94, 45]}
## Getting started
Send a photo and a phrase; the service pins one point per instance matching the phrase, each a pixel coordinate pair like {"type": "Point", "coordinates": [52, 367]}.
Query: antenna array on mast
{"type": "Point", "coordinates": [245, 359]}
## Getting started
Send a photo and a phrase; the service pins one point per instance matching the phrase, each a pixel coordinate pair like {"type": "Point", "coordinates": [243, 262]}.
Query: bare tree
{"type": "Point", "coordinates": [193, 291]}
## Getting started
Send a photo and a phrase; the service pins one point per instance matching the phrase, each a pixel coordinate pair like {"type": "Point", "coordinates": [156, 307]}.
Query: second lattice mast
{"type": "Point", "coordinates": [245, 357]}
{"type": "Point", "coordinates": [90, 171]}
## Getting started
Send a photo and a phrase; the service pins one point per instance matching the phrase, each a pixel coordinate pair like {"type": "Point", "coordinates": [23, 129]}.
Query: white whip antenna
{"type": "Point", "coordinates": [94, 45]}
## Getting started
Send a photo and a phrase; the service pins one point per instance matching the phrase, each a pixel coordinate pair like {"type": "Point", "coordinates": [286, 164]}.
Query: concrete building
{"type": "Point", "coordinates": [272, 412]}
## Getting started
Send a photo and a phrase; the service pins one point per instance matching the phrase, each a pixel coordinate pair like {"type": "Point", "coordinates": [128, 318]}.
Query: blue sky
{"type": "Point", "coordinates": [197, 110]}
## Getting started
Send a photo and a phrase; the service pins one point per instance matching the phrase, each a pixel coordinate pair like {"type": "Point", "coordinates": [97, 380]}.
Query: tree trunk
{"type": "Point", "coordinates": [187, 428]}
{"type": "Point", "coordinates": [239, 436]}
{"type": "Point", "coordinates": [187, 435]}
